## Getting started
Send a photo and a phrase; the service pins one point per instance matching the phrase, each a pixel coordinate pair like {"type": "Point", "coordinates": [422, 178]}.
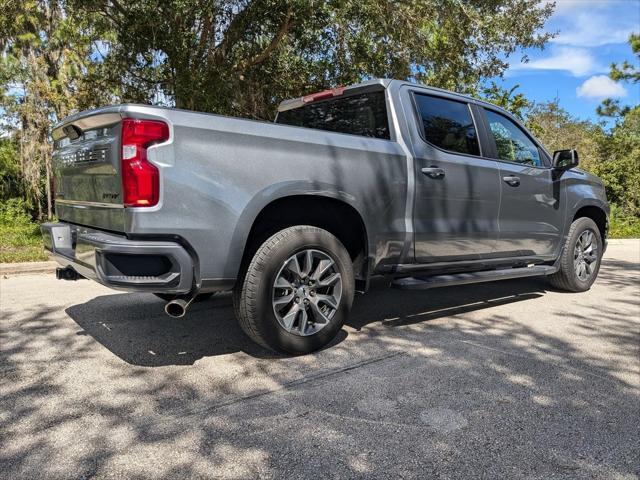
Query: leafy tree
{"type": "Point", "coordinates": [619, 167]}
{"type": "Point", "coordinates": [558, 130]}
{"type": "Point", "coordinates": [625, 72]}
{"type": "Point", "coordinates": [620, 150]}
{"type": "Point", "coordinates": [614, 156]}
{"type": "Point", "coordinates": [10, 177]}
{"type": "Point", "coordinates": [242, 57]}
{"type": "Point", "coordinates": [516, 103]}
{"type": "Point", "coordinates": [612, 108]}
{"type": "Point", "coordinates": [45, 52]}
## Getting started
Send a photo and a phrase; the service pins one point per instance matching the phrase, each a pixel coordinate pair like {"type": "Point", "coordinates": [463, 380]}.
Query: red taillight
{"type": "Point", "coordinates": [140, 178]}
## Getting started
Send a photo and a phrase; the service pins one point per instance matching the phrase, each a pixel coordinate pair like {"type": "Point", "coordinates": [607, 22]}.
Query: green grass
{"type": "Point", "coordinates": [20, 239]}
{"type": "Point", "coordinates": [21, 243]}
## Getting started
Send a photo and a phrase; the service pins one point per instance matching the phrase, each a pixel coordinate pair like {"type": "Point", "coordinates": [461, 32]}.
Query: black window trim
{"type": "Point", "coordinates": [420, 128]}
{"type": "Point", "coordinates": [541, 151]}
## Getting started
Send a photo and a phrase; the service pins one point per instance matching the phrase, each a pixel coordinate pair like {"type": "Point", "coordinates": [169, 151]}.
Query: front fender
{"type": "Point", "coordinates": [589, 202]}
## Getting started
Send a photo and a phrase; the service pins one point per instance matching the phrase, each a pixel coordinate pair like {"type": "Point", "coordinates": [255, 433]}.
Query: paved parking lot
{"type": "Point", "coordinates": [509, 379]}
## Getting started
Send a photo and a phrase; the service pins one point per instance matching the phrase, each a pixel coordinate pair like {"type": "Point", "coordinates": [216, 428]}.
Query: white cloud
{"type": "Point", "coordinates": [593, 29]}
{"type": "Point", "coordinates": [600, 86]}
{"type": "Point", "coordinates": [570, 6]}
{"type": "Point", "coordinates": [577, 61]}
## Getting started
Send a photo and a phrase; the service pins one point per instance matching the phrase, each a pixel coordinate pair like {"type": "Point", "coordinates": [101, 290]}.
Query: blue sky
{"type": "Point", "coordinates": [574, 65]}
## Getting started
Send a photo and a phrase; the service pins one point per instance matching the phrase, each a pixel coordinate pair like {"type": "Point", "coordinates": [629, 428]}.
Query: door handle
{"type": "Point", "coordinates": [511, 180]}
{"type": "Point", "coordinates": [433, 172]}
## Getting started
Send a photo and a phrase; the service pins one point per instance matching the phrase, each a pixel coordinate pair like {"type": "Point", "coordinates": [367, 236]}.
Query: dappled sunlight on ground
{"type": "Point", "coordinates": [503, 379]}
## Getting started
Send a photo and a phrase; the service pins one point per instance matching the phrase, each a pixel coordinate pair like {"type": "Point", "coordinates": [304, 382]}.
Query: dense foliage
{"type": "Point", "coordinates": [233, 57]}
{"type": "Point", "coordinates": [613, 155]}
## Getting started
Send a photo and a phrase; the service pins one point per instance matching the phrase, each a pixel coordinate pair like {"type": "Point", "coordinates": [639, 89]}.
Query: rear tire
{"type": "Point", "coordinates": [296, 293]}
{"type": "Point", "coordinates": [580, 258]}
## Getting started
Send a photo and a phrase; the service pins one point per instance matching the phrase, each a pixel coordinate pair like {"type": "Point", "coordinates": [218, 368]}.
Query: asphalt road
{"type": "Point", "coordinates": [509, 379]}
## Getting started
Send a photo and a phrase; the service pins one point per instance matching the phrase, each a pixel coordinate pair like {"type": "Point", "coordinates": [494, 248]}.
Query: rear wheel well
{"type": "Point", "coordinates": [335, 216]}
{"type": "Point", "coordinates": [597, 215]}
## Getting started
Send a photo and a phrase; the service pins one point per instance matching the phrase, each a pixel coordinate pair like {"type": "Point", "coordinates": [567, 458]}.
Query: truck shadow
{"type": "Point", "coordinates": [135, 328]}
{"type": "Point", "coordinates": [405, 307]}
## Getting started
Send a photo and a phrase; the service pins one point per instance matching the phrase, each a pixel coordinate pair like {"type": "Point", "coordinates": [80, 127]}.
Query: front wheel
{"type": "Point", "coordinates": [581, 257]}
{"type": "Point", "coordinates": [297, 291]}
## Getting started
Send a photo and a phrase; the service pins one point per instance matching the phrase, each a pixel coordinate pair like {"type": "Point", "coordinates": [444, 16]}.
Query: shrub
{"type": "Point", "coordinates": [623, 225]}
{"type": "Point", "coordinates": [20, 239]}
{"type": "Point", "coordinates": [14, 212]}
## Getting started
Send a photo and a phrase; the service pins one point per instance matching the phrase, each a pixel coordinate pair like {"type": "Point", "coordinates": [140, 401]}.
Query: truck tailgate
{"type": "Point", "coordinates": [87, 176]}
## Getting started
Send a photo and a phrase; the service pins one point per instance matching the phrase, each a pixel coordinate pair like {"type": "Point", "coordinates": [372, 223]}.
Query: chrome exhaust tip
{"type": "Point", "coordinates": [176, 308]}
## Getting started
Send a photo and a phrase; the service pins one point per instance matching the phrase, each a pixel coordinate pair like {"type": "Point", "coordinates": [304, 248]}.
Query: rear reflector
{"type": "Point", "coordinates": [140, 178]}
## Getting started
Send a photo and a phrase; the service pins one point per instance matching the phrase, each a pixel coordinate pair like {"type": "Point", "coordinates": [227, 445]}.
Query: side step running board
{"type": "Point", "coordinates": [424, 283]}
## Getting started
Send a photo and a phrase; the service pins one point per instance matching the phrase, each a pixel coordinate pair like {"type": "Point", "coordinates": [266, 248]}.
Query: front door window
{"type": "Point", "coordinates": [512, 143]}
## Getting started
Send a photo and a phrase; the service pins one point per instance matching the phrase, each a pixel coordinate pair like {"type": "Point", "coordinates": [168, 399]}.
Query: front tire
{"type": "Point", "coordinates": [580, 258]}
{"type": "Point", "coordinates": [297, 291]}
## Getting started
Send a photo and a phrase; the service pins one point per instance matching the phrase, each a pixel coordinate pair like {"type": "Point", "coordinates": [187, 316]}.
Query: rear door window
{"type": "Point", "coordinates": [364, 115]}
{"type": "Point", "coordinates": [447, 124]}
{"type": "Point", "coordinates": [512, 143]}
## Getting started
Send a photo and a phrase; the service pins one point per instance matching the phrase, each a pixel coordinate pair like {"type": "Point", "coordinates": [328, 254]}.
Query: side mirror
{"type": "Point", "coordinates": [565, 159]}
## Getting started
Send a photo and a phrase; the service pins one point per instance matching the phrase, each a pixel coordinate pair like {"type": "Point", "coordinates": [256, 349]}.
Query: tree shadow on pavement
{"type": "Point", "coordinates": [445, 383]}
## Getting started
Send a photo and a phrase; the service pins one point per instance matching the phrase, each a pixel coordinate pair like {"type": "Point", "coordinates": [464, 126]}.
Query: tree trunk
{"type": "Point", "coordinates": [47, 166]}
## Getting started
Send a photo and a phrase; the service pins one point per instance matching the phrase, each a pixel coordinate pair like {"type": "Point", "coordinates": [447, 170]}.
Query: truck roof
{"type": "Point", "coordinates": [373, 84]}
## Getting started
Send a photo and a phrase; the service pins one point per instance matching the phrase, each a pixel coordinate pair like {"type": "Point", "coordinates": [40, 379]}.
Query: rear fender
{"type": "Point", "coordinates": [276, 192]}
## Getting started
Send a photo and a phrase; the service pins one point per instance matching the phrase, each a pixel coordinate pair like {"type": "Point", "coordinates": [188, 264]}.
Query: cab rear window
{"type": "Point", "coordinates": [364, 114]}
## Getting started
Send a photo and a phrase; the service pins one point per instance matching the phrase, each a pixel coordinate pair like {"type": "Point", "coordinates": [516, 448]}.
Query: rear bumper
{"type": "Point", "coordinates": [118, 262]}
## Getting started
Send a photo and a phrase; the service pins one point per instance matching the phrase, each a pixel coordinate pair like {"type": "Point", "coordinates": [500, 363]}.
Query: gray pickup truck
{"type": "Point", "coordinates": [384, 178]}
